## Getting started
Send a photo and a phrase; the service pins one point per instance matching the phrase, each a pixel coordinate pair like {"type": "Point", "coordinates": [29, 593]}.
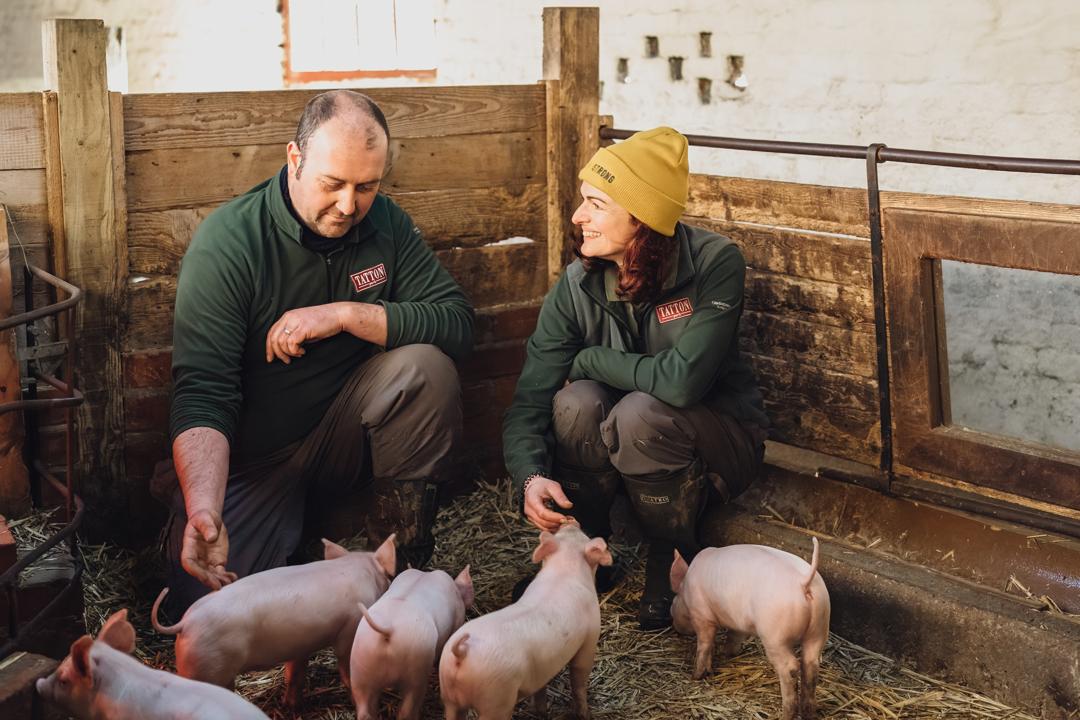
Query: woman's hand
{"type": "Point", "coordinates": [540, 490]}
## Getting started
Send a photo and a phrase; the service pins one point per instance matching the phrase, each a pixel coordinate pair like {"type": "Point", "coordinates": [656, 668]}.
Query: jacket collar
{"type": "Point", "coordinates": [291, 228]}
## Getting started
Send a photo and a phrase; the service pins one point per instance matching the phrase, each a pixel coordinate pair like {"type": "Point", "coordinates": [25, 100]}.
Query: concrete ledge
{"type": "Point", "coordinates": [941, 625]}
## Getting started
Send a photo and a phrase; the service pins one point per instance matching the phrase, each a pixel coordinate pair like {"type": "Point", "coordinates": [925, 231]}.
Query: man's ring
{"type": "Point", "coordinates": [288, 331]}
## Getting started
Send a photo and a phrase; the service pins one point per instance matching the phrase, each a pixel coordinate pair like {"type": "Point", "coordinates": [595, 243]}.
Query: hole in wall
{"type": "Point", "coordinates": [652, 46]}
{"type": "Point", "coordinates": [705, 44]}
{"type": "Point", "coordinates": [704, 89]}
{"type": "Point", "coordinates": [675, 67]}
{"type": "Point", "coordinates": [736, 75]}
{"type": "Point", "coordinates": [622, 70]}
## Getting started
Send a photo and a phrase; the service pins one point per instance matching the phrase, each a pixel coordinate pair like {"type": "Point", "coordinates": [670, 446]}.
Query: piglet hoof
{"type": "Point", "coordinates": [700, 672]}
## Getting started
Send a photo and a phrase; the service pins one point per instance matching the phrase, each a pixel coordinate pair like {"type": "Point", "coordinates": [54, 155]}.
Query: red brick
{"type": "Point", "coordinates": [146, 410]}
{"type": "Point", "coordinates": [481, 396]}
{"type": "Point", "coordinates": [18, 699]}
{"type": "Point", "coordinates": [494, 361]}
{"type": "Point", "coordinates": [142, 451]}
{"type": "Point", "coordinates": [8, 550]}
{"type": "Point", "coordinates": [148, 369]}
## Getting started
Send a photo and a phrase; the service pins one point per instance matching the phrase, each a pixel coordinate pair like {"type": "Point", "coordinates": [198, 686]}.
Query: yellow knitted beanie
{"type": "Point", "coordinates": [647, 174]}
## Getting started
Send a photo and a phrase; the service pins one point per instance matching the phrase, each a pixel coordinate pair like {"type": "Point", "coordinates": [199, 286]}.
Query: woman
{"type": "Point", "coordinates": [633, 375]}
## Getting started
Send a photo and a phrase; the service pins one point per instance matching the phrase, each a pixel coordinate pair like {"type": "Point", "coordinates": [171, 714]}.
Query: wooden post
{"type": "Point", "coordinates": [95, 252]}
{"type": "Point", "coordinates": [14, 481]}
{"type": "Point", "coordinates": [572, 72]}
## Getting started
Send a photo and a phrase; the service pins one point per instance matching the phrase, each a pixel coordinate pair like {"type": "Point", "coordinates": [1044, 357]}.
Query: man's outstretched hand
{"type": "Point", "coordinates": [206, 549]}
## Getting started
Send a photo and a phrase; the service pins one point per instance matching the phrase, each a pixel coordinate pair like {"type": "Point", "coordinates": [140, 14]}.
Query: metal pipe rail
{"type": "Point", "coordinates": [874, 155]}
{"type": "Point", "coordinates": [74, 508]}
{"type": "Point", "coordinates": [886, 154]}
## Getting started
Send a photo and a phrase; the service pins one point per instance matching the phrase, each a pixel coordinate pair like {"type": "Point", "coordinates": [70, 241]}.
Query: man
{"type": "Point", "coordinates": [313, 337]}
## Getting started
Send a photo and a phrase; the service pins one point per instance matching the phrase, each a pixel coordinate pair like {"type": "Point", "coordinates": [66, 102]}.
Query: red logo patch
{"type": "Point", "coordinates": [674, 310]}
{"type": "Point", "coordinates": [369, 278]}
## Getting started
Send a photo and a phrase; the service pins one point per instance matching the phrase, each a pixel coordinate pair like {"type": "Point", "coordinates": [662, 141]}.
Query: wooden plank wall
{"type": "Point", "coordinates": [22, 182]}
{"type": "Point", "coordinates": [25, 120]}
{"type": "Point", "coordinates": [468, 163]}
{"type": "Point", "coordinates": [808, 323]}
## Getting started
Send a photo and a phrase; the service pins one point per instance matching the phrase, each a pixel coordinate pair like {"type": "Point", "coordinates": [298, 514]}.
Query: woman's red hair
{"type": "Point", "coordinates": [645, 263]}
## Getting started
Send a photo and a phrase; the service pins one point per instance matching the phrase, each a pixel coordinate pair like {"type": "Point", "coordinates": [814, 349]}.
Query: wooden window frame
{"type": "Point", "coordinates": [917, 236]}
{"type": "Point", "coordinates": [294, 78]}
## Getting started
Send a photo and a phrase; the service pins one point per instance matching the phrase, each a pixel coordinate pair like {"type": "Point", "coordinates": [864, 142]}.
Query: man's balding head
{"type": "Point", "coordinates": [337, 161]}
{"type": "Point", "coordinates": [349, 107]}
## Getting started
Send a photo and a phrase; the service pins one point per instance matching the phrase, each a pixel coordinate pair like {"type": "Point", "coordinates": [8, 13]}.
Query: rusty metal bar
{"type": "Point", "coordinates": [10, 579]}
{"type": "Point", "coordinates": [881, 335]}
{"type": "Point", "coordinates": [858, 152]}
{"type": "Point", "coordinates": [74, 296]}
{"type": "Point", "coordinates": [73, 504]}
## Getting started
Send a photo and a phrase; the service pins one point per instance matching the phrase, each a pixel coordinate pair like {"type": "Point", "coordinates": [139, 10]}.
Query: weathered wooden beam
{"type": "Point", "coordinates": [157, 239]}
{"type": "Point", "coordinates": [184, 120]}
{"type": "Point", "coordinates": [819, 409]}
{"type": "Point", "coordinates": [178, 178]}
{"type": "Point", "coordinates": [14, 481]}
{"type": "Point", "coordinates": [571, 65]}
{"type": "Point", "coordinates": [74, 58]}
{"type": "Point", "coordinates": [793, 205]}
{"type": "Point", "coordinates": [22, 145]}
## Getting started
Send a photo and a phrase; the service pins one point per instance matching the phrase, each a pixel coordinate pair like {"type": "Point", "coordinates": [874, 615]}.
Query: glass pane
{"type": "Point", "coordinates": [1013, 343]}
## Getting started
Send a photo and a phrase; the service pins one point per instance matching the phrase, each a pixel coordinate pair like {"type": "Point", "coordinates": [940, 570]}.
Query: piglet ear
{"type": "Point", "coordinates": [547, 546]}
{"type": "Point", "coordinates": [118, 633]}
{"type": "Point", "coordinates": [678, 572]}
{"type": "Point", "coordinates": [386, 555]}
{"type": "Point", "coordinates": [465, 586]}
{"type": "Point", "coordinates": [597, 553]}
{"type": "Point", "coordinates": [332, 551]}
{"type": "Point", "coordinates": [80, 656]}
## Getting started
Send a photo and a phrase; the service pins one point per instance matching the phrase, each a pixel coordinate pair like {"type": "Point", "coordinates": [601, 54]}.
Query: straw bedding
{"type": "Point", "coordinates": [637, 675]}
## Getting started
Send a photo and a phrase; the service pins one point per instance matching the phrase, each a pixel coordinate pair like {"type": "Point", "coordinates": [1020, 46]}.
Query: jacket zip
{"type": "Point", "coordinates": [328, 257]}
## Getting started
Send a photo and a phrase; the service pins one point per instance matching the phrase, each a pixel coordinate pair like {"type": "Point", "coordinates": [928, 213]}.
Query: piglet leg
{"type": "Point", "coordinates": [580, 667]}
{"type": "Point", "coordinates": [295, 679]}
{"type": "Point", "coordinates": [706, 637]}
{"type": "Point", "coordinates": [811, 663]}
{"type": "Point", "coordinates": [412, 700]}
{"type": "Point", "coordinates": [367, 705]}
{"type": "Point", "coordinates": [783, 660]}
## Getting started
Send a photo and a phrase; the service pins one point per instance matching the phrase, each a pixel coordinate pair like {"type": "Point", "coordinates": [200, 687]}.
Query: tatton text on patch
{"type": "Point", "coordinates": [369, 278]}
{"type": "Point", "coordinates": [674, 310]}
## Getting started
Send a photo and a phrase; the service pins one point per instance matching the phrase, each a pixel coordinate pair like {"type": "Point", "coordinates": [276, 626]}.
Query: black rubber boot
{"type": "Point", "coordinates": [405, 507]}
{"type": "Point", "coordinates": [592, 492]}
{"type": "Point", "coordinates": [654, 611]}
{"type": "Point", "coordinates": [670, 507]}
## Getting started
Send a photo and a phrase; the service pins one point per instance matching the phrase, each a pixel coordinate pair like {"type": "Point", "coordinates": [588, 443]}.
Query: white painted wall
{"type": "Point", "coordinates": [986, 76]}
{"type": "Point", "coordinates": [188, 45]}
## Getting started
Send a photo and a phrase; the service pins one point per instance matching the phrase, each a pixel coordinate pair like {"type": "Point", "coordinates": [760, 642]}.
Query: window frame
{"type": "Point", "coordinates": [293, 78]}
{"type": "Point", "coordinates": [918, 235]}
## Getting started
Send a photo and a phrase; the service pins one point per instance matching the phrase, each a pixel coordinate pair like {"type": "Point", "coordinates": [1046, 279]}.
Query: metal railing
{"type": "Point", "coordinates": [70, 397]}
{"type": "Point", "coordinates": [874, 155]}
